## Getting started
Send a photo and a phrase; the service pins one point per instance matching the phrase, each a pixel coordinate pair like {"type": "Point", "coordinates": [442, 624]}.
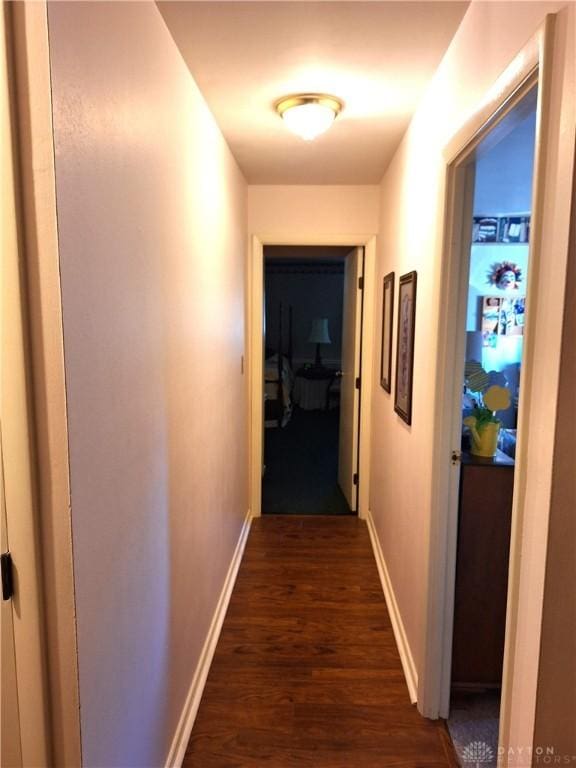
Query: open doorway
{"type": "Point", "coordinates": [359, 397]}
{"type": "Point", "coordinates": [312, 341]}
{"type": "Point", "coordinates": [494, 310]}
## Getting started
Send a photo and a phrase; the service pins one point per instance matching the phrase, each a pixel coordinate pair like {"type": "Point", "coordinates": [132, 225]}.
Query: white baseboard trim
{"type": "Point", "coordinates": [190, 710]}
{"type": "Point", "coordinates": [397, 625]}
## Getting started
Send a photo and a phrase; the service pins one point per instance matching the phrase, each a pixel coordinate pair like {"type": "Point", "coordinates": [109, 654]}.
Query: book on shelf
{"type": "Point", "coordinates": [501, 228]}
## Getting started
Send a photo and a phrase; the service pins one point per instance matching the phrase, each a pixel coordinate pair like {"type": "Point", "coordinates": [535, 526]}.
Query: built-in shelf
{"type": "Point", "coordinates": [501, 229]}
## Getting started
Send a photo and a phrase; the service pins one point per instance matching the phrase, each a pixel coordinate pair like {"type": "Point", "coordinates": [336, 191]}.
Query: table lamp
{"type": "Point", "coordinates": [319, 335]}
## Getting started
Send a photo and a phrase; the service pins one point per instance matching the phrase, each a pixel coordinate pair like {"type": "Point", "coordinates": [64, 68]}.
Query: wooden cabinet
{"type": "Point", "coordinates": [486, 487]}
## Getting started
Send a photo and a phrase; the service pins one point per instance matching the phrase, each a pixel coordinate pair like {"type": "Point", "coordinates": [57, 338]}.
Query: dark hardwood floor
{"type": "Point", "coordinates": [306, 671]}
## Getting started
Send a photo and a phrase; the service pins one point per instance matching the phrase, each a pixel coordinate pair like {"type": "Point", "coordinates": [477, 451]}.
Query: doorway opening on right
{"type": "Point", "coordinates": [495, 318]}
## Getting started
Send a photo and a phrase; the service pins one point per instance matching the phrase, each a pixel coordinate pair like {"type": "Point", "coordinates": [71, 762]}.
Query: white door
{"type": "Point", "coordinates": [25, 737]}
{"type": "Point", "coordinates": [350, 394]}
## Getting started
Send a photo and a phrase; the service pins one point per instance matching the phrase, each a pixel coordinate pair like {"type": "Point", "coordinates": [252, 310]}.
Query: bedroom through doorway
{"type": "Point", "coordinates": [312, 319]}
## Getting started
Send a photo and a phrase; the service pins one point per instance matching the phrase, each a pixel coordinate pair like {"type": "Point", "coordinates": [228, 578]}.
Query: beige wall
{"type": "Point", "coordinates": [556, 706]}
{"type": "Point", "coordinates": [152, 230]}
{"type": "Point", "coordinates": [305, 211]}
{"type": "Point", "coordinates": [410, 237]}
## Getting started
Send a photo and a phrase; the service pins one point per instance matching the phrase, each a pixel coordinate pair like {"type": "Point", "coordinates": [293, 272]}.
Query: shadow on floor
{"type": "Point", "coordinates": [301, 460]}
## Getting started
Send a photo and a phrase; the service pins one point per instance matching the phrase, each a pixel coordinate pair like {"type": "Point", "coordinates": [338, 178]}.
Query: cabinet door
{"type": "Point", "coordinates": [482, 574]}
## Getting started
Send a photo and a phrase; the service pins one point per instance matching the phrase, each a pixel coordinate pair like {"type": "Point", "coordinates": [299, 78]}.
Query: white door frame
{"type": "Point", "coordinates": [530, 509]}
{"type": "Point", "coordinates": [16, 439]}
{"type": "Point", "coordinates": [44, 550]}
{"type": "Point", "coordinates": [255, 354]}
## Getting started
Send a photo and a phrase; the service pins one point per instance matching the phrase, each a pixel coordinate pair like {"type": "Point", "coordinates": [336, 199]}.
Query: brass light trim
{"type": "Point", "coordinates": [287, 102]}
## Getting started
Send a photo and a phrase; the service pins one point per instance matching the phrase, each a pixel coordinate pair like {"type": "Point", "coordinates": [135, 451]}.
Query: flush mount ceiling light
{"type": "Point", "coordinates": [308, 114]}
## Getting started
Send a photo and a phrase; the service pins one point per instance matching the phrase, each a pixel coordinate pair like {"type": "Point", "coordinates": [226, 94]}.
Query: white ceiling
{"type": "Point", "coordinates": [376, 56]}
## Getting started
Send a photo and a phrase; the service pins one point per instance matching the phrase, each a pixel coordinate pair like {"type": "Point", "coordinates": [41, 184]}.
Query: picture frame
{"type": "Point", "coordinates": [405, 346]}
{"type": "Point", "coordinates": [387, 336]}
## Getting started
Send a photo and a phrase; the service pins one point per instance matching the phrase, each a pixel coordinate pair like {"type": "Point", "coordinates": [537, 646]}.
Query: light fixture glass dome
{"type": "Point", "coordinates": [309, 115]}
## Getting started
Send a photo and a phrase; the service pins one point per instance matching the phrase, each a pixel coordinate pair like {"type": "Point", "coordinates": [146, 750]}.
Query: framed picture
{"type": "Point", "coordinates": [387, 323]}
{"type": "Point", "coordinates": [405, 346]}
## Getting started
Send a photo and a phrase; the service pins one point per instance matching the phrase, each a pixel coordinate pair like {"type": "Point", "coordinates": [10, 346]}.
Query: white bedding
{"type": "Point", "coordinates": [271, 387]}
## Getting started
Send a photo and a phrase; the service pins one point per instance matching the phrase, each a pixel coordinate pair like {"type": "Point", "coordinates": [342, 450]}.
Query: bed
{"type": "Point", "coordinates": [279, 377]}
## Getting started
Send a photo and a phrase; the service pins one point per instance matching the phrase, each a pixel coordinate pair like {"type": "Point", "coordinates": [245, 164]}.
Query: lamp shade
{"type": "Point", "coordinates": [308, 114]}
{"type": "Point", "coordinates": [308, 120]}
{"type": "Point", "coordinates": [319, 331]}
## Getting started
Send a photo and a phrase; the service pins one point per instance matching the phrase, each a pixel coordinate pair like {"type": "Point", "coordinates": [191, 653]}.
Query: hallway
{"type": "Point", "coordinates": [306, 671]}
{"type": "Point", "coordinates": [149, 171]}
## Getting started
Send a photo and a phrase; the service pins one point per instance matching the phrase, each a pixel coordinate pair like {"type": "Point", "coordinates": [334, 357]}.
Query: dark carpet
{"type": "Point", "coordinates": [473, 726]}
{"type": "Point", "coordinates": [301, 461]}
